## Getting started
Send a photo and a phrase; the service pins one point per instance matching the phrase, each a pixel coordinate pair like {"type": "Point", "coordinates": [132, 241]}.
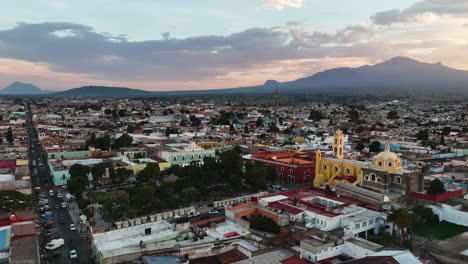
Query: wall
{"type": "Point", "coordinates": [69, 154]}
{"type": "Point", "coordinates": [435, 197]}
{"type": "Point", "coordinates": [449, 214]}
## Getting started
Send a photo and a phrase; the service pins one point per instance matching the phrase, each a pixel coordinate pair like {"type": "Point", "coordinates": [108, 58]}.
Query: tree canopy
{"type": "Point", "coordinates": [436, 187]}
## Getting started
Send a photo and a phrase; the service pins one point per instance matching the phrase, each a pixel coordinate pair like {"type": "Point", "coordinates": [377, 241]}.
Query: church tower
{"type": "Point", "coordinates": [338, 145]}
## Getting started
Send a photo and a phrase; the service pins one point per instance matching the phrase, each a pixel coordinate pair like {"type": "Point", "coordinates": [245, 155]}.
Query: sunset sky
{"type": "Point", "coordinates": [207, 44]}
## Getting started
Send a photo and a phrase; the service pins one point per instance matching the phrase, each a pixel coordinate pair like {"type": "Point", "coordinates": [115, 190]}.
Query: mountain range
{"type": "Point", "coordinates": [399, 75]}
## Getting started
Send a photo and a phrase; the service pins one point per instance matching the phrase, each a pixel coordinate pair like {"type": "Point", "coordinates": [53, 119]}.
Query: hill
{"type": "Point", "coordinates": [102, 91]}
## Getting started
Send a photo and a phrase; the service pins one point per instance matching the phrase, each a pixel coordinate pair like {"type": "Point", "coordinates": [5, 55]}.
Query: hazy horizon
{"type": "Point", "coordinates": [209, 44]}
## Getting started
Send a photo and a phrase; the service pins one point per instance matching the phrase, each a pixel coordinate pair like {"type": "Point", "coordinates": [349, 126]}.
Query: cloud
{"type": "Point", "coordinates": [74, 48]}
{"type": "Point", "coordinates": [421, 10]}
{"type": "Point", "coordinates": [281, 4]}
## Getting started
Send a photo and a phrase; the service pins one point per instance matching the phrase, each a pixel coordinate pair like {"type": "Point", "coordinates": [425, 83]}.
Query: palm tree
{"type": "Point", "coordinates": [403, 219]}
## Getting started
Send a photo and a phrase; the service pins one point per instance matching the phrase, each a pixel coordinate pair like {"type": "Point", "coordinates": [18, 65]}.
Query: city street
{"type": "Point", "coordinates": [73, 241]}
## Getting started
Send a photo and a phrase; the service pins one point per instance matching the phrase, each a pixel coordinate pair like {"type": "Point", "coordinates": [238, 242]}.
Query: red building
{"type": "Point", "coordinates": [293, 167]}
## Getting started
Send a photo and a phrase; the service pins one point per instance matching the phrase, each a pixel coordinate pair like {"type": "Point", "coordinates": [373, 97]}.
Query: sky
{"type": "Point", "coordinates": [211, 44]}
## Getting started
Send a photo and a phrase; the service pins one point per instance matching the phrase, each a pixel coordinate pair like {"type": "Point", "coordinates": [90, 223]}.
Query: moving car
{"type": "Point", "coordinates": [64, 205]}
{"type": "Point", "coordinates": [213, 211]}
{"type": "Point", "coordinates": [72, 227]}
{"type": "Point", "coordinates": [193, 213]}
{"type": "Point", "coordinates": [51, 193]}
{"type": "Point", "coordinates": [73, 254]}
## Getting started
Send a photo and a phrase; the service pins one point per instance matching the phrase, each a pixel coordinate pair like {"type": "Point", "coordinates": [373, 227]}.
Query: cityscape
{"type": "Point", "coordinates": [234, 142]}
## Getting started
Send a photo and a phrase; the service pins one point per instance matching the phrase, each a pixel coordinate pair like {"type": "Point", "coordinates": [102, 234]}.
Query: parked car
{"type": "Point", "coordinates": [48, 224]}
{"type": "Point", "coordinates": [51, 193]}
{"type": "Point", "coordinates": [72, 227]}
{"type": "Point", "coordinates": [64, 205]}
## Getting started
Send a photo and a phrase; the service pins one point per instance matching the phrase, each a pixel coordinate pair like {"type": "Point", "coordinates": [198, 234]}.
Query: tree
{"type": "Point", "coordinates": [98, 172]}
{"type": "Point", "coordinates": [374, 146]}
{"type": "Point", "coordinates": [424, 214]}
{"type": "Point", "coordinates": [149, 173]}
{"type": "Point", "coordinates": [315, 115]}
{"type": "Point", "coordinates": [392, 115]}
{"type": "Point", "coordinates": [231, 163]}
{"type": "Point", "coordinates": [9, 136]}
{"type": "Point", "coordinates": [442, 140]}
{"type": "Point", "coordinates": [436, 188]}
{"type": "Point", "coordinates": [353, 115]}
{"type": "Point", "coordinates": [422, 135]}
{"type": "Point", "coordinates": [189, 194]}
{"type": "Point", "coordinates": [103, 143]}
{"type": "Point", "coordinates": [257, 177]}
{"type": "Point", "coordinates": [123, 174]}
{"type": "Point", "coordinates": [91, 141]}
{"type": "Point", "coordinates": [237, 149]}
{"type": "Point", "coordinates": [125, 140]}
{"type": "Point", "coordinates": [360, 146]}
{"type": "Point", "coordinates": [273, 128]}
{"type": "Point", "coordinates": [195, 121]}
{"type": "Point", "coordinates": [403, 220]}
{"type": "Point", "coordinates": [112, 175]}
{"type": "Point", "coordinates": [259, 122]}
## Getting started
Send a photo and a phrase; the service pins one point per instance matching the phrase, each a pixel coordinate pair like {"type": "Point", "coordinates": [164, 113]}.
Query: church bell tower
{"type": "Point", "coordinates": [338, 144]}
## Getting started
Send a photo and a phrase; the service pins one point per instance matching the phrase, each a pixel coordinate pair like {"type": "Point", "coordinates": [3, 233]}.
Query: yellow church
{"type": "Point", "coordinates": [330, 171]}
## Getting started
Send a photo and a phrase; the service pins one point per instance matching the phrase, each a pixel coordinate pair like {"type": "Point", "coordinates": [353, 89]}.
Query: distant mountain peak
{"type": "Point", "coordinates": [271, 83]}
{"type": "Point", "coordinates": [399, 60]}
{"type": "Point", "coordinates": [20, 88]}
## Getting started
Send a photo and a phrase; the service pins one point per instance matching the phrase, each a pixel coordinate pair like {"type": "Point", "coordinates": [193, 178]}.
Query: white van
{"type": "Point", "coordinates": [55, 243]}
{"type": "Point", "coordinates": [51, 193]}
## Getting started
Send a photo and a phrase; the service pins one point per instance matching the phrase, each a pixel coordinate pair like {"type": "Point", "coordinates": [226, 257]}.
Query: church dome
{"type": "Point", "coordinates": [387, 160]}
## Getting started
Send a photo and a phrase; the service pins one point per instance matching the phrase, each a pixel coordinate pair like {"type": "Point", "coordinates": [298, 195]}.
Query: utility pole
{"type": "Point", "coordinates": [276, 97]}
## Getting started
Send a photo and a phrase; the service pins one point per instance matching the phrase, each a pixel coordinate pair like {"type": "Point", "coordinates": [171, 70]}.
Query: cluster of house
{"type": "Point", "coordinates": [18, 234]}
{"type": "Point", "coordinates": [348, 191]}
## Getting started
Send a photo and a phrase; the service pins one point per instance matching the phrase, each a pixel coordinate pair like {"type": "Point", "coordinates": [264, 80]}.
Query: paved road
{"type": "Point", "coordinates": [41, 177]}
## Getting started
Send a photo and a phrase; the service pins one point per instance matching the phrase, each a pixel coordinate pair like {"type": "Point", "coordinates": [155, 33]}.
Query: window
{"type": "Point", "coordinates": [308, 172]}
{"type": "Point", "coordinates": [380, 163]}
{"type": "Point", "coordinates": [282, 169]}
{"type": "Point", "coordinates": [291, 171]}
{"type": "Point", "coordinates": [175, 158]}
{"type": "Point", "coordinates": [364, 224]}
{"type": "Point", "coordinates": [372, 177]}
{"type": "Point", "coordinates": [390, 164]}
{"type": "Point", "coordinates": [357, 225]}
{"type": "Point", "coordinates": [335, 169]}
{"type": "Point", "coordinates": [191, 157]}
{"type": "Point", "coordinates": [371, 221]}
{"type": "Point", "coordinates": [397, 179]}
{"type": "Point", "coordinates": [183, 157]}
{"type": "Point", "coordinates": [348, 171]}
{"type": "Point", "coordinates": [379, 179]}
{"type": "Point", "coordinates": [366, 177]}
{"type": "Point", "coordinates": [324, 166]}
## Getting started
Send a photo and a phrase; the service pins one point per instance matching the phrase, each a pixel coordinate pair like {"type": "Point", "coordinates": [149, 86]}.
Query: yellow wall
{"type": "Point", "coordinates": [139, 167]}
{"type": "Point", "coordinates": [327, 176]}
{"type": "Point", "coordinates": [22, 162]}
